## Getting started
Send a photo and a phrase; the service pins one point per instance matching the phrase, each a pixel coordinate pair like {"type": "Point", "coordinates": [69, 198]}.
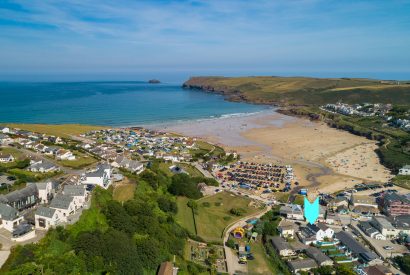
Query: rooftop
{"type": "Point", "coordinates": [61, 202]}
{"type": "Point", "coordinates": [280, 244]}
{"type": "Point", "coordinates": [302, 264]}
{"type": "Point", "coordinates": [45, 211]}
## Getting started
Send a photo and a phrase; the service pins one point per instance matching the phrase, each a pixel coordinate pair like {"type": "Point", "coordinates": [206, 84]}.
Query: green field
{"type": "Point", "coordinates": [303, 90]}
{"type": "Point", "coordinates": [213, 219]}
{"type": "Point", "coordinates": [184, 216]}
{"type": "Point", "coordinates": [61, 130]}
{"type": "Point", "coordinates": [191, 170]}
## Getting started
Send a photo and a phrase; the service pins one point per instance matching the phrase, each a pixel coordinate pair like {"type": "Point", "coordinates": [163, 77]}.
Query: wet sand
{"type": "Point", "coordinates": [324, 158]}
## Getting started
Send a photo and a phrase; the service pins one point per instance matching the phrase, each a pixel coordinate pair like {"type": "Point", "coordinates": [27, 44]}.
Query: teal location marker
{"type": "Point", "coordinates": [311, 210]}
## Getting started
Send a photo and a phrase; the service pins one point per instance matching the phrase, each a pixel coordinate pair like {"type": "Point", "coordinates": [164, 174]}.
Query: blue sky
{"type": "Point", "coordinates": [221, 37]}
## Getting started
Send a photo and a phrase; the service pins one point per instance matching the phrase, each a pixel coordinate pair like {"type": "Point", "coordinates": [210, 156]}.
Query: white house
{"type": "Point", "coordinates": [45, 191]}
{"type": "Point", "coordinates": [405, 170]}
{"type": "Point", "coordinates": [313, 233]}
{"type": "Point", "coordinates": [6, 158]}
{"type": "Point", "coordinates": [9, 217]}
{"type": "Point", "coordinates": [282, 247]}
{"type": "Point", "coordinates": [79, 194]}
{"type": "Point", "coordinates": [385, 227]}
{"type": "Point", "coordinates": [286, 229]}
{"type": "Point", "coordinates": [64, 205]}
{"type": "Point", "coordinates": [46, 217]}
{"type": "Point", "coordinates": [101, 176]}
{"type": "Point", "coordinates": [63, 154]}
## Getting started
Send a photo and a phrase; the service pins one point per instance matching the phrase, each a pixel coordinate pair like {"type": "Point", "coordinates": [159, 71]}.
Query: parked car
{"type": "Point", "coordinates": [388, 247]}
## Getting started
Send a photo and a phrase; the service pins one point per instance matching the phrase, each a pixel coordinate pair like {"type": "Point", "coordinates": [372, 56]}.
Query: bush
{"type": "Point", "coordinates": [237, 211]}
{"type": "Point", "coordinates": [206, 204]}
{"type": "Point", "coordinates": [183, 185]}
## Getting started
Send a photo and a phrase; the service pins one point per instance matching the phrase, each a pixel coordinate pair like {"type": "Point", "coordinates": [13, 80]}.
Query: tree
{"type": "Point", "coordinates": [151, 178]}
{"type": "Point", "coordinates": [167, 205]}
{"type": "Point", "coordinates": [230, 243]}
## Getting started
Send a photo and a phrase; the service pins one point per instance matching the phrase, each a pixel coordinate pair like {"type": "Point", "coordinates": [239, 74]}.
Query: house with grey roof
{"type": "Point", "coordinates": [9, 217]}
{"type": "Point", "coordinates": [356, 249]}
{"type": "Point", "coordinates": [46, 217]}
{"type": "Point", "coordinates": [292, 211]}
{"type": "Point", "coordinates": [64, 205]}
{"type": "Point", "coordinates": [4, 158]}
{"type": "Point", "coordinates": [320, 258]}
{"type": "Point", "coordinates": [43, 166]}
{"type": "Point", "coordinates": [301, 265]}
{"type": "Point", "coordinates": [282, 247]}
{"type": "Point", "coordinates": [129, 164]}
{"type": "Point", "coordinates": [370, 231]}
{"type": "Point", "coordinates": [21, 199]}
{"type": "Point", "coordinates": [78, 192]}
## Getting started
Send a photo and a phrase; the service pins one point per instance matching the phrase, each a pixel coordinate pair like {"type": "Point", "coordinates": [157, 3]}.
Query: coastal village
{"type": "Point", "coordinates": [48, 181]}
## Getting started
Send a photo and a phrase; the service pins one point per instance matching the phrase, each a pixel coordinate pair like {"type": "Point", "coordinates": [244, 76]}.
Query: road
{"type": "Point", "coordinates": [42, 157]}
{"type": "Point", "coordinates": [232, 261]}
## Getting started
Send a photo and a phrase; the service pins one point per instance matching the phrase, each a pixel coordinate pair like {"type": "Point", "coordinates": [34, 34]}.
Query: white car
{"type": "Point", "coordinates": [388, 247]}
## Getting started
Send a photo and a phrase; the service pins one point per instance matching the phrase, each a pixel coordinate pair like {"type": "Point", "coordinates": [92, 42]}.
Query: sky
{"type": "Point", "coordinates": [177, 39]}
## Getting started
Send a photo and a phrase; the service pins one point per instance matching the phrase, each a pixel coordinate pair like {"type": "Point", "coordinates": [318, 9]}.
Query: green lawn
{"type": "Point", "coordinates": [261, 263]}
{"type": "Point", "coordinates": [191, 170]}
{"type": "Point", "coordinates": [81, 161]}
{"type": "Point", "coordinates": [184, 216]}
{"type": "Point", "coordinates": [31, 176]}
{"type": "Point", "coordinates": [211, 221]}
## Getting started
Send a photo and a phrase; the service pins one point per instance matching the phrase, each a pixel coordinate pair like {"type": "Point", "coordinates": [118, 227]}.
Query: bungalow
{"type": "Point", "coordinates": [356, 249]}
{"type": "Point", "coordinates": [63, 154]}
{"type": "Point", "coordinates": [333, 219]}
{"type": "Point", "coordinates": [101, 176]}
{"type": "Point", "coordinates": [370, 231]}
{"type": "Point", "coordinates": [336, 202]}
{"type": "Point", "coordinates": [45, 191]}
{"type": "Point", "coordinates": [9, 217]}
{"type": "Point", "coordinates": [78, 192]}
{"type": "Point", "coordinates": [405, 170]}
{"type": "Point", "coordinates": [297, 266]}
{"type": "Point", "coordinates": [64, 205]}
{"type": "Point", "coordinates": [40, 148]}
{"type": "Point", "coordinates": [376, 270]}
{"type": "Point", "coordinates": [320, 258]}
{"type": "Point", "coordinates": [46, 217]}
{"type": "Point", "coordinates": [5, 139]}
{"type": "Point", "coordinates": [6, 158]}
{"type": "Point", "coordinates": [43, 166]}
{"type": "Point", "coordinates": [132, 165]}
{"type": "Point", "coordinates": [292, 211]}
{"type": "Point", "coordinates": [52, 150]}
{"type": "Point", "coordinates": [282, 247]}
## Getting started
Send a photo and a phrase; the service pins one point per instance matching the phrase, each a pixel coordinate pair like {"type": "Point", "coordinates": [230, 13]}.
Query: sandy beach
{"type": "Point", "coordinates": [323, 157]}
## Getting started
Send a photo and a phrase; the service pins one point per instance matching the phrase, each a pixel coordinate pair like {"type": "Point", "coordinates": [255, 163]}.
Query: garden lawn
{"type": "Point", "coordinates": [17, 154]}
{"type": "Point", "coordinates": [211, 220]}
{"type": "Point", "coordinates": [184, 216]}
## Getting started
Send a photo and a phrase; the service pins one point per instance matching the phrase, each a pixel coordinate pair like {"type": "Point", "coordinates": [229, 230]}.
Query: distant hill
{"type": "Point", "coordinates": [303, 90]}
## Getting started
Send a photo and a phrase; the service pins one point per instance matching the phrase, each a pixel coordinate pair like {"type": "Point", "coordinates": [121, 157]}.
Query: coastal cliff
{"type": "Point", "coordinates": [302, 91]}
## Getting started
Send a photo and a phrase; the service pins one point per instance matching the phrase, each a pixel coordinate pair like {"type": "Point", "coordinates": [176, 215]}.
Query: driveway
{"type": "Point", "coordinates": [232, 260]}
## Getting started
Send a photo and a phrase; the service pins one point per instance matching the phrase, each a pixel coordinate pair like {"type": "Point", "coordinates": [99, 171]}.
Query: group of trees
{"type": "Point", "coordinates": [133, 237]}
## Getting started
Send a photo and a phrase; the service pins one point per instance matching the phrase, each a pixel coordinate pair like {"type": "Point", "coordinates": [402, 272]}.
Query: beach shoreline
{"type": "Point", "coordinates": [325, 159]}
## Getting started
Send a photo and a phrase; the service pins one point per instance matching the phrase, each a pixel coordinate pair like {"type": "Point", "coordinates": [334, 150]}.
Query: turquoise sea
{"type": "Point", "coordinates": [123, 103]}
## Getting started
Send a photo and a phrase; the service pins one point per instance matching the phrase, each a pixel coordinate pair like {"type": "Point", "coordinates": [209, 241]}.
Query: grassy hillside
{"type": "Point", "coordinates": [303, 90]}
{"type": "Point", "coordinates": [61, 130]}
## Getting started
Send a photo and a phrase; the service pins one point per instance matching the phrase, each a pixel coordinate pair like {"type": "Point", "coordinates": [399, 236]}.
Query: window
{"type": "Point", "coordinates": [42, 223]}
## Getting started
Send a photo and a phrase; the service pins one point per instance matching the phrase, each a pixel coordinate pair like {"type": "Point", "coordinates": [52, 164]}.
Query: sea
{"type": "Point", "coordinates": [117, 103]}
